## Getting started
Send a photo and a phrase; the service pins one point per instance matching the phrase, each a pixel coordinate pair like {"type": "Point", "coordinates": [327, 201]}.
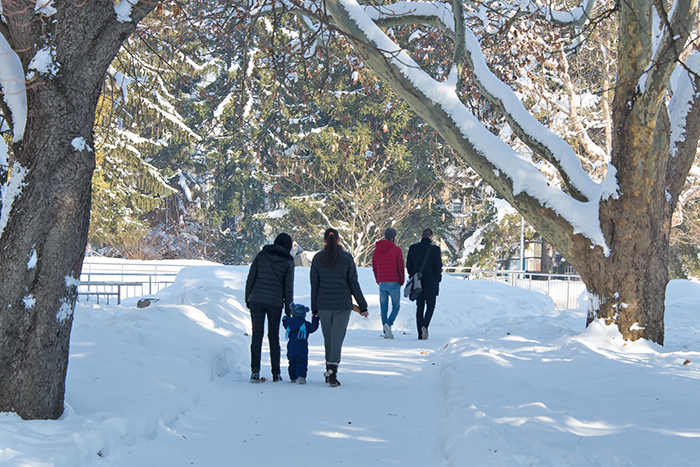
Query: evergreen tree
{"type": "Point", "coordinates": [356, 159]}
{"type": "Point", "coordinates": [180, 105]}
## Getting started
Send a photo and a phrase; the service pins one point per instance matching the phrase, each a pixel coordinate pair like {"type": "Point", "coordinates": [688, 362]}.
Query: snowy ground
{"type": "Point", "coordinates": [504, 380]}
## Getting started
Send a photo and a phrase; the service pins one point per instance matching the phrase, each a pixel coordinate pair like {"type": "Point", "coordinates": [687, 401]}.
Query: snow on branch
{"type": "Point", "coordinates": [122, 81]}
{"type": "Point", "coordinates": [4, 159]}
{"type": "Point", "coordinates": [123, 10]}
{"type": "Point", "coordinates": [500, 163]}
{"type": "Point", "coordinates": [669, 40]}
{"type": "Point", "coordinates": [10, 193]}
{"type": "Point", "coordinates": [45, 7]}
{"type": "Point", "coordinates": [172, 116]}
{"type": "Point", "coordinates": [438, 15]}
{"type": "Point", "coordinates": [574, 17]}
{"type": "Point", "coordinates": [537, 136]}
{"type": "Point", "coordinates": [685, 92]}
{"type": "Point", "coordinates": [12, 86]}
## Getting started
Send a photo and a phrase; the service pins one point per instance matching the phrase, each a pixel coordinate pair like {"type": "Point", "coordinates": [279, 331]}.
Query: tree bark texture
{"type": "Point", "coordinates": [628, 281]}
{"type": "Point", "coordinates": [629, 286]}
{"type": "Point", "coordinates": [43, 244]}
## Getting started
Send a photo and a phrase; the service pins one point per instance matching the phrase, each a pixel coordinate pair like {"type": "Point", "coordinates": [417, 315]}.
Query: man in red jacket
{"type": "Point", "coordinates": [388, 267]}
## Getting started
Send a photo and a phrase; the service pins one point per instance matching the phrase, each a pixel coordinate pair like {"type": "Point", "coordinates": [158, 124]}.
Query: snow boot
{"type": "Point", "coordinates": [332, 376]}
{"type": "Point", "coordinates": [276, 378]}
{"type": "Point", "coordinates": [255, 377]}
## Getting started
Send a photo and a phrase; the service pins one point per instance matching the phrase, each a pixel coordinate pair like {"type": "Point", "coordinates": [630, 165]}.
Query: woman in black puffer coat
{"type": "Point", "coordinates": [333, 284]}
{"type": "Point", "coordinates": [269, 288]}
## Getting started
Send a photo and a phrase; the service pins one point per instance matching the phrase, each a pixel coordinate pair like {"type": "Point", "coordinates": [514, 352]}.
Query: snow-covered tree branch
{"type": "Point", "coordinates": [621, 224]}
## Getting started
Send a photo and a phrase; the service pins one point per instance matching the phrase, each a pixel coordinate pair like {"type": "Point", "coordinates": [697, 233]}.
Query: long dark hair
{"type": "Point", "coordinates": [331, 252]}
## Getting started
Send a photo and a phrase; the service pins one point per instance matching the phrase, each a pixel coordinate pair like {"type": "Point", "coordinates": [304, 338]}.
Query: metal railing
{"type": "Point", "coordinates": [564, 289]}
{"type": "Point", "coordinates": [124, 279]}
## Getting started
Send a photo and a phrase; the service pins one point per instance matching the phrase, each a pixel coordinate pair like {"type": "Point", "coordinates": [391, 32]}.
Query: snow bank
{"type": "Point", "coordinates": [505, 380]}
{"type": "Point", "coordinates": [133, 371]}
{"type": "Point", "coordinates": [537, 391]}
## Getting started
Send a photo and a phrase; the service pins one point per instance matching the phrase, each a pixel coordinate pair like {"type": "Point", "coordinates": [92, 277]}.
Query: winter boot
{"type": "Point", "coordinates": [255, 377]}
{"type": "Point", "coordinates": [276, 378]}
{"type": "Point", "coordinates": [333, 376]}
{"type": "Point", "coordinates": [327, 373]}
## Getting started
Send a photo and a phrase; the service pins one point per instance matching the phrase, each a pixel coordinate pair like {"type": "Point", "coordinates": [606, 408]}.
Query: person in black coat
{"type": "Point", "coordinates": [268, 288]}
{"type": "Point", "coordinates": [333, 284]}
{"type": "Point", "coordinates": [430, 280]}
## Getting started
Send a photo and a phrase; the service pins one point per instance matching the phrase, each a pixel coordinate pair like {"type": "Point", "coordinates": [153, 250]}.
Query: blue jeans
{"type": "Point", "coordinates": [386, 290]}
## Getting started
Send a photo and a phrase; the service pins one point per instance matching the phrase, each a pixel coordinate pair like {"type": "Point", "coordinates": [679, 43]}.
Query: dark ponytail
{"type": "Point", "coordinates": [331, 251]}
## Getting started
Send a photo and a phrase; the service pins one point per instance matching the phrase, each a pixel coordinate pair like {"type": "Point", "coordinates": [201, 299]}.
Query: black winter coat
{"type": "Point", "coordinates": [333, 288]}
{"type": "Point", "coordinates": [432, 272]}
{"type": "Point", "coordinates": [271, 278]}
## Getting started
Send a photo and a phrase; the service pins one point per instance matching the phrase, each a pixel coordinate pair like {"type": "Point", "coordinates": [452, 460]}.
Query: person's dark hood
{"type": "Point", "coordinates": [277, 253]}
{"type": "Point", "coordinates": [285, 241]}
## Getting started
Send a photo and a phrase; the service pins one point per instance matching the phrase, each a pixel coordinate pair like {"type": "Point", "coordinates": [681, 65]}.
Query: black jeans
{"type": "Point", "coordinates": [258, 311]}
{"type": "Point", "coordinates": [424, 319]}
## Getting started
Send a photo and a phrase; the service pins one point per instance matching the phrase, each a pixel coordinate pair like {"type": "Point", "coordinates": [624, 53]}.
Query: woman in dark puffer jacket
{"type": "Point", "coordinates": [268, 288]}
{"type": "Point", "coordinates": [333, 284]}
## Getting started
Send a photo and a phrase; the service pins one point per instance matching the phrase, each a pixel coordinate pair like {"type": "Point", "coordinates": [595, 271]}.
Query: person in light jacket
{"type": "Point", "coordinates": [269, 288]}
{"type": "Point", "coordinates": [333, 285]}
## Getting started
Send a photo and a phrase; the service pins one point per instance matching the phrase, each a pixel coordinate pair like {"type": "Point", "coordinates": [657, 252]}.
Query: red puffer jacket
{"type": "Point", "coordinates": [387, 262]}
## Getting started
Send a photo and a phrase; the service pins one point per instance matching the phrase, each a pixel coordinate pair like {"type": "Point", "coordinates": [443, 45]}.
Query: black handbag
{"type": "Point", "coordinates": [413, 286]}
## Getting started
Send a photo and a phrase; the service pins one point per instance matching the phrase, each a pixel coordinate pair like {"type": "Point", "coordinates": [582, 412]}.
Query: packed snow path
{"type": "Point", "coordinates": [515, 383]}
{"type": "Point", "coordinates": [387, 405]}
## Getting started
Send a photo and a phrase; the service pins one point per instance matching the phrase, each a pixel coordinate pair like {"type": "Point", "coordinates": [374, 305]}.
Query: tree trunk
{"type": "Point", "coordinates": [43, 244]}
{"type": "Point", "coordinates": [49, 223]}
{"type": "Point", "coordinates": [628, 287]}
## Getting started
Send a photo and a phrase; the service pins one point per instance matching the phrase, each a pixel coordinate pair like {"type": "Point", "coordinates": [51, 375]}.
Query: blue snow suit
{"type": "Point", "coordinates": [298, 330]}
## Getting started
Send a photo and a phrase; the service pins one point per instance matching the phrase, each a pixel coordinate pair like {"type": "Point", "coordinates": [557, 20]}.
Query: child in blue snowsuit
{"type": "Point", "coordinates": [298, 330]}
